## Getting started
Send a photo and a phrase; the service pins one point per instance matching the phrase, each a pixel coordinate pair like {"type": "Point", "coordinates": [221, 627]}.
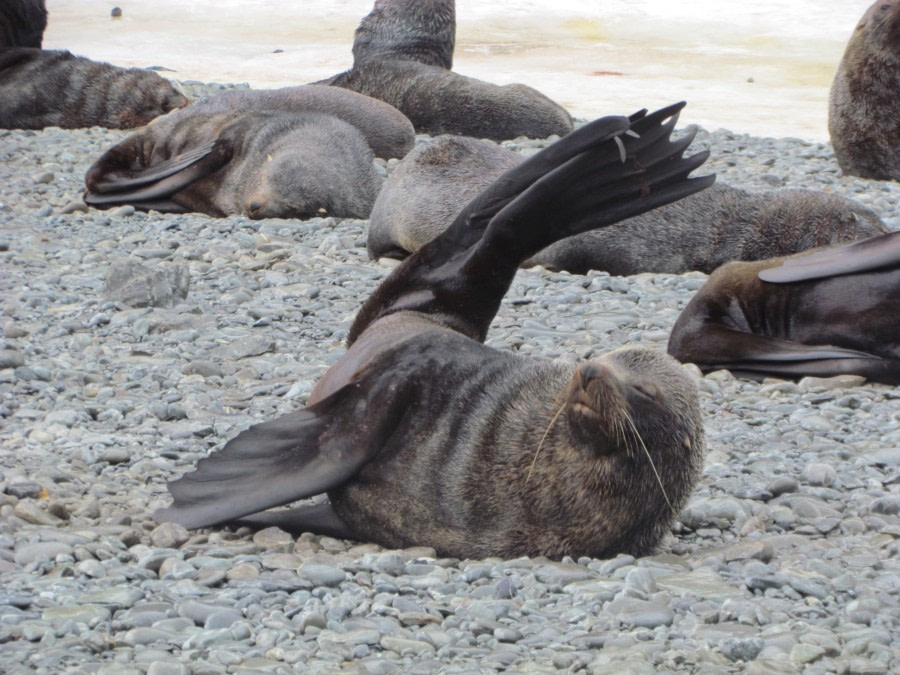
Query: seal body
{"type": "Point", "coordinates": [830, 312]}
{"type": "Point", "coordinates": [387, 131]}
{"type": "Point", "coordinates": [422, 435]}
{"type": "Point", "coordinates": [413, 30]}
{"type": "Point", "coordinates": [40, 88]}
{"type": "Point", "coordinates": [863, 117]}
{"type": "Point", "coordinates": [402, 54]}
{"type": "Point", "coordinates": [22, 23]}
{"type": "Point", "coordinates": [262, 164]}
{"type": "Point", "coordinates": [700, 232]}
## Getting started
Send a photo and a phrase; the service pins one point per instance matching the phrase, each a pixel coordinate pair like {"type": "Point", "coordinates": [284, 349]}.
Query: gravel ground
{"type": "Point", "coordinates": [785, 559]}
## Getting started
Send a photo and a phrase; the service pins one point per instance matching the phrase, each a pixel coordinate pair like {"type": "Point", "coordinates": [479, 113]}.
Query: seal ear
{"type": "Point", "coordinates": [112, 180]}
{"type": "Point", "coordinates": [296, 456]}
{"type": "Point", "coordinates": [860, 256]}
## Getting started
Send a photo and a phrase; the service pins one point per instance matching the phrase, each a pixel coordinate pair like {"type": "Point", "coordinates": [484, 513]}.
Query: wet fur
{"type": "Point", "coordinates": [40, 88]}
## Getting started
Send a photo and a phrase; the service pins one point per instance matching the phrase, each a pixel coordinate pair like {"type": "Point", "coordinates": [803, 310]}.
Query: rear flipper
{"type": "Point", "coordinates": [296, 456]}
{"type": "Point", "coordinates": [316, 518]}
{"type": "Point", "coordinates": [611, 169]}
{"type": "Point", "coordinates": [757, 356]}
{"type": "Point", "coordinates": [860, 256]}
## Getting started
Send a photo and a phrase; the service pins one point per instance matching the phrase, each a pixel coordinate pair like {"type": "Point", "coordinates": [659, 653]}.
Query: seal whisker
{"type": "Point", "coordinates": [544, 437]}
{"type": "Point", "coordinates": [627, 417]}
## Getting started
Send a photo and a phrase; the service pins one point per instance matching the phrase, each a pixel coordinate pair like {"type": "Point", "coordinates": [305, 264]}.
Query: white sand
{"type": "Point", "coordinates": [762, 67]}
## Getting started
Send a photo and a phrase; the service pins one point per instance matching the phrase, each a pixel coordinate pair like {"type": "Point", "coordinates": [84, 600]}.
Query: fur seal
{"type": "Point", "coordinates": [863, 117]}
{"type": "Point", "coordinates": [263, 164]}
{"type": "Point", "coordinates": [829, 312]}
{"type": "Point", "coordinates": [422, 435]}
{"type": "Point", "coordinates": [396, 60]}
{"type": "Point", "coordinates": [22, 23]}
{"type": "Point", "coordinates": [387, 130]}
{"type": "Point", "coordinates": [700, 232]}
{"type": "Point", "coordinates": [40, 88]}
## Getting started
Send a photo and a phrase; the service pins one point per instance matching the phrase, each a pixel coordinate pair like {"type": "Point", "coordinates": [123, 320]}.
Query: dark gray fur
{"type": "Point", "coordinates": [22, 23]}
{"type": "Point", "coordinates": [864, 109]}
{"type": "Point", "coordinates": [700, 232]}
{"type": "Point", "coordinates": [388, 131]}
{"type": "Point", "coordinates": [412, 30]}
{"type": "Point", "coordinates": [40, 88]}
{"type": "Point", "coordinates": [280, 164]}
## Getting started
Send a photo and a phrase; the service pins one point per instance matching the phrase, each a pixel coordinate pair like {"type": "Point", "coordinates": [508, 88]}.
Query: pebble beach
{"type": "Point", "coordinates": [785, 559]}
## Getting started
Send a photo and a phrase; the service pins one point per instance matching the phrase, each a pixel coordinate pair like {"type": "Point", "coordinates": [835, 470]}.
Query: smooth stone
{"type": "Point", "coordinates": [28, 553]}
{"type": "Point", "coordinates": [88, 614]}
{"type": "Point", "coordinates": [169, 535]}
{"type": "Point", "coordinates": [322, 575]}
{"type": "Point", "coordinates": [741, 649]}
{"type": "Point", "coordinates": [563, 573]}
{"type": "Point", "coordinates": [639, 613]}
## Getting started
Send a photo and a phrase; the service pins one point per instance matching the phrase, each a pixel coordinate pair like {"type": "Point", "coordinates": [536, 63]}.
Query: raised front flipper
{"type": "Point", "coordinates": [714, 346]}
{"type": "Point", "coordinates": [874, 253]}
{"type": "Point", "coordinates": [611, 169]}
{"type": "Point", "coordinates": [296, 456]}
{"type": "Point", "coordinates": [108, 184]}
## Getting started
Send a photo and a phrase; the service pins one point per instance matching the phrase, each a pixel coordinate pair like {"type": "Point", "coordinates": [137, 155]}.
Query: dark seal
{"type": "Point", "coordinates": [22, 23]}
{"type": "Point", "coordinates": [830, 312]}
{"type": "Point", "coordinates": [422, 435]}
{"type": "Point", "coordinates": [40, 88]}
{"type": "Point", "coordinates": [402, 57]}
{"type": "Point", "coordinates": [388, 131]}
{"type": "Point", "coordinates": [263, 164]}
{"type": "Point", "coordinates": [700, 232]}
{"type": "Point", "coordinates": [863, 115]}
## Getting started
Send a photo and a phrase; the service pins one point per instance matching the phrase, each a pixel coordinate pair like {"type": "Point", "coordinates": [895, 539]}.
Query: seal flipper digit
{"type": "Point", "coordinates": [160, 181]}
{"type": "Point", "coordinates": [317, 518]}
{"type": "Point", "coordinates": [860, 256]}
{"type": "Point", "coordinates": [610, 169]}
{"type": "Point", "coordinates": [293, 457]}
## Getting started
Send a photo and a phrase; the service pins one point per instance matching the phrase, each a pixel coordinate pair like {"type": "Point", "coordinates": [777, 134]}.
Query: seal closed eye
{"type": "Point", "coordinates": [422, 435]}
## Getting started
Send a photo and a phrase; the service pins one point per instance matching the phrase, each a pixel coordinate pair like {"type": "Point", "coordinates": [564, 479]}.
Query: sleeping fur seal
{"type": "Point", "coordinates": [863, 115]}
{"type": "Point", "coordinates": [262, 164]}
{"type": "Point", "coordinates": [422, 435]}
{"type": "Point", "coordinates": [40, 88]}
{"type": "Point", "coordinates": [829, 312]}
{"type": "Point", "coordinates": [388, 131]}
{"type": "Point", "coordinates": [22, 23]}
{"type": "Point", "coordinates": [406, 63]}
{"type": "Point", "coordinates": [700, 232]}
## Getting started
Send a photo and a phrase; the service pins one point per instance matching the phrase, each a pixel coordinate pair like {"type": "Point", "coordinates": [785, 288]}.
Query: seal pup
{"type": "Point", "coordinates": [863, 115]}
{"type": "Point", "coordinates": [824, 313]}
{"type": "Point", "coordinates": [388, 131]}
{"type": "Point", "coordinates": [41, 88]}
{"type": "Point", "coordinates": [22, 23]}
{"type": "Point", "coordinates": [422, 435]}
{"type": "Point", "coordinates": [699, 232]}
{"type": "Point", "coordinates": [410, 30]}
{"type": "Point", "coordinates": [406, 61]}
{"type": "Point", "coordinates": [262, 164]}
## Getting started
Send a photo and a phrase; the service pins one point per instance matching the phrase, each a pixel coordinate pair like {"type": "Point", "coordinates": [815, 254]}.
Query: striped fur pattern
{"type": "Point", "coordinates": [22, 23]}
{"type": "Point", "coordinates": [56, 88]}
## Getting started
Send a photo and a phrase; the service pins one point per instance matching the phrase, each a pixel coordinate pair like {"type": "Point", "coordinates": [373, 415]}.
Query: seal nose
{"type": "Point", "coordinates": [589, 372]}
{"type": "Point", "coordinates": [255, 206]}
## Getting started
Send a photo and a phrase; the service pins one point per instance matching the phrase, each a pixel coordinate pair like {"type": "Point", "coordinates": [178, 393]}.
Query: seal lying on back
{"type": "Point", "coordinates": [699, 232]}
{"type": "Point", "coordinates": [422, 435]}
{"type": "Point", "coordinates": [22, 23]}
{"type": "Point", "coordinates": [262, 164]}
{"type": "Point", "coordinates": [863, 116]}
{"type": "Point", "coordinates": [824, 313]}
{"type": "Point", "coordinates": [387, 130]}
{"type": "Point", "coordinates": [403, 59]}
{"type": "Point", "coordinates": [48, 88]}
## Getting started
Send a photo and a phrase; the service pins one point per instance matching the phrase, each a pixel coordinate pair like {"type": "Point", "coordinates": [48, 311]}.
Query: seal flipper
{"type": "Point", "coordinates": [296, 456]}
{"type": "Point", "coordinates": [606, 171]}
{"type": "Point", "coordinates": [860, 256]}
{"type": "Point", "coordinates": [317, 518]}
{"type": "Point", "coordinates": [157, 182]}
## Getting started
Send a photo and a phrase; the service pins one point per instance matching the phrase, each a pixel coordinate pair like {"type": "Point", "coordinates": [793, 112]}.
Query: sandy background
{"type": "Point", "coordinates": [762, 67]}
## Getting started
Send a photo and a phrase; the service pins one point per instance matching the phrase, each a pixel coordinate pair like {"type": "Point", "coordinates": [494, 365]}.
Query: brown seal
{"type": "Point", "coordinates": [863, 115]}
{"type": "Point", "coordinates": [22, 23]}
{"type": "Point", "coordinates": [829, 312]}
{"type": "Point", "coordinates": [388, 131]}
{"type": "Point", "coordinates": [422, 435]}
{"type": "Point", "coordinates": [263, 164]}
{"type": "Point", "coordinates": [40, 88]}
{"type": "Point", "coordinates": [403, 59]}
{"type": "Point", "coordinates": [700, 232]}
